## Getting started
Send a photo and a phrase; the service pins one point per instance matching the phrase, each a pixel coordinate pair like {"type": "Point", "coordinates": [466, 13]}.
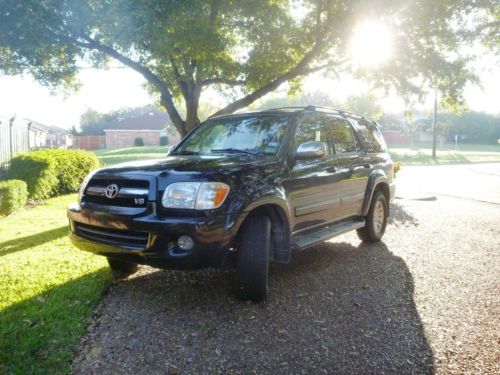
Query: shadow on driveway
{"type": "Point", "coordinates": [335, 308]}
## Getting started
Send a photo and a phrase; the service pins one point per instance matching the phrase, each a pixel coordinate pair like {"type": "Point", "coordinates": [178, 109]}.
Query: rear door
{"type": "Point", "coordinates": [350, 160]}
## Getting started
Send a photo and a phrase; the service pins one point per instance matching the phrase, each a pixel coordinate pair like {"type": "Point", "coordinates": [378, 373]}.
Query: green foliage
{"type": "Point", "coordinates": [38, 172]}
{"type": "Point", "coordinates": [138, 142]}
{"type": "Point", "coordinates": [13, 196]}
{"type": "Point", "coordinates": [250, 47]}
{"type": "Point", "coordinates": [366, 104]}
{"type": "Point", "coordinates": [397, 168]}
{"type": "Point", "coordinates": [470, 127]}
{"type": "Point", "coordinates": [163, 140]}
{"type": "Point", "coordinates": [48, 173]}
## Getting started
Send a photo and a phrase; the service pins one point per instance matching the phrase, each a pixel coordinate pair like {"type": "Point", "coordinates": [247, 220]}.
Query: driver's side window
{"type": "Point", "coordinates": [314, 128]}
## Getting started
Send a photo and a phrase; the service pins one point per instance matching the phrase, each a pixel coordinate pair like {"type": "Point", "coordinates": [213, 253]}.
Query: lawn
{"type": "Point", "coordinates": [47, 290]}
{"type": "Point", "coordinates": [120, 155]}
{"type": "Point", "coordinates": [421, 154]}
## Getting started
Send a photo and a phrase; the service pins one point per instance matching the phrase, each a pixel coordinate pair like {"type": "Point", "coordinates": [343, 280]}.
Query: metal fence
{"type": "Point", "coordinates": [14, 138]}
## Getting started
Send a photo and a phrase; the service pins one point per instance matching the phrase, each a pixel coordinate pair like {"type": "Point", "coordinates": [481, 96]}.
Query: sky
{"type": "Point", "coordinates": [112, 89]}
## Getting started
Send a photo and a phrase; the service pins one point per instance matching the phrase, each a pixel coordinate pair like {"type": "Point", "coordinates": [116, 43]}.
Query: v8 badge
{"type": "Point", "coordinates": [139, 200]}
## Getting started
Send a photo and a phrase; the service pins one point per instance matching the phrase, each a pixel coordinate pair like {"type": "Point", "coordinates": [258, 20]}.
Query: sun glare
{"type": "Point", "coordinates": [371, 43]}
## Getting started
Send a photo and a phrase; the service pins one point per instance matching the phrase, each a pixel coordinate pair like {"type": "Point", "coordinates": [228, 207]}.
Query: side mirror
{"type": "Point", "coordinates": [311, 150]}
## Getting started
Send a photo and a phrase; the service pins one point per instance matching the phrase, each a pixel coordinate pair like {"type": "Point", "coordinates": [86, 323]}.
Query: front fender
{"type": "Point", "coordinates": [242, 206]}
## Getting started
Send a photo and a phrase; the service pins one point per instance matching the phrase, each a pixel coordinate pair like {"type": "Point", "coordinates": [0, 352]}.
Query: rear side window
{"type": "Point", "coordinates": [343, 137]}
{"type": "Point", "coordinates": [371, 137]}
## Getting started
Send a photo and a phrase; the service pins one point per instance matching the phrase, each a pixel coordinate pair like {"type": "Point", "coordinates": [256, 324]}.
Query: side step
{"type": "Point", "coordinates": [326, 233]}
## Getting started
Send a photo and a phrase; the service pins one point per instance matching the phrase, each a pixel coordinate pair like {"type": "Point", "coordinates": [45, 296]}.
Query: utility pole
{"type": "Point", "coordinates": [434, 120]}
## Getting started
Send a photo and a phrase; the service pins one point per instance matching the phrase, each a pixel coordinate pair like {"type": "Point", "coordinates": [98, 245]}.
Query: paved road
{"type": "Point", "coordinates": [425, 300]}
{"type": "Point", "coordinates": [469, 181]}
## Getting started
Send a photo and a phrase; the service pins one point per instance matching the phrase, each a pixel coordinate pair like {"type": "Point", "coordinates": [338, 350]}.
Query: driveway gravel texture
{"type": "Point", "coordinates": [425, 300]}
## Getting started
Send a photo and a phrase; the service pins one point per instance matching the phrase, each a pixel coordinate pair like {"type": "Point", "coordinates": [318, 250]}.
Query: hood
{"type": "Point", "coordinates": [189, 164]}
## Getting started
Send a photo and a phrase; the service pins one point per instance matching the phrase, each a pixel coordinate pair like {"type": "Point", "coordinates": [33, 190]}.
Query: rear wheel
{"type": "Point", "coordinates": [121, 268]}
{"type": "Point", "coordinates": [252, 259]}
{"type": "Point", "coordinates": [375, 220]}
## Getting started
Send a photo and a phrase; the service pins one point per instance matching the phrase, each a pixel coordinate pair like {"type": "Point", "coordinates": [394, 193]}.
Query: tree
{"type": "Point", "coordinates": [411, 124]}
{"type": "Point", "coordinates": [74, 131]}
{"type": "Point", "coordinates": [248, 47]}
{"type": "Point", "coordinates": [367, 104]}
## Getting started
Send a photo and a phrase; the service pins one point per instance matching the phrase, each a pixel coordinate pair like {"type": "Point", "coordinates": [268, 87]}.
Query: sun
{"type": "Point", "coordinates": [371, 43]}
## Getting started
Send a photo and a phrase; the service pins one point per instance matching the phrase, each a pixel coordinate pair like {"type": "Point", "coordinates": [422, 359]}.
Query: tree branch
{"type": "Point", "coordinates": [222, 81]}
{"type": "Point", "coordinates": [298, 70]}
{"type": "Point", "coordinates": [165, 93]}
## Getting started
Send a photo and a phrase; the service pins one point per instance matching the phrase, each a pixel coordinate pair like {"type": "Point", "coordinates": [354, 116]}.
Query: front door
{"type": "Point", "coordinates": [314, 182]}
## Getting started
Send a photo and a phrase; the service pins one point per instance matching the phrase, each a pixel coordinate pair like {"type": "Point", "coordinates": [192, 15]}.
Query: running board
{"type": "Point", "coordinates": [327, 233]}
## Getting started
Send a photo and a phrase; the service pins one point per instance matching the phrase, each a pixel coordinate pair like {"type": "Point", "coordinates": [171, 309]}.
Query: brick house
{"type": "Point", "coordinates": [149, 127]}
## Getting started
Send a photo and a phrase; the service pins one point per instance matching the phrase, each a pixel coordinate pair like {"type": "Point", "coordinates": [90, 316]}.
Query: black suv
{"type": "Point", "coordinates": [238, 191]}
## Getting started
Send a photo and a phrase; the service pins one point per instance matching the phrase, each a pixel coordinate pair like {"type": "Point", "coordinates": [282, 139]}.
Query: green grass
{"type": "Point", "coordinates": [47, 290]}
{"type": "Point", "coordinates": [120, 155]}
{"type": "Point", "coordinates": [421, 154]}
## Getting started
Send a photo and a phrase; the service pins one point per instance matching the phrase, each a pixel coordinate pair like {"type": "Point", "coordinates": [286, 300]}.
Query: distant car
{"type": "Point", "coordinates": [239, 191]}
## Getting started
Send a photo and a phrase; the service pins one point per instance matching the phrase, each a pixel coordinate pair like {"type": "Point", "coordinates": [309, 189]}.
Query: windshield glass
{"type": "Point", "coordinates": [246, 135]}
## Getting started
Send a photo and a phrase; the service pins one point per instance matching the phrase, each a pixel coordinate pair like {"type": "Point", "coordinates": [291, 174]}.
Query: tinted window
{"type": "Point", "coordinates": [314, 128]}
{"type": "Point", "coordinates": [371, 137]}
{"type": "Point", "coordinates": [343, 137]}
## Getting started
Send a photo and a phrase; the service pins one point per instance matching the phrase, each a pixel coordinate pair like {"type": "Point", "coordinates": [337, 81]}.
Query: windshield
{"type": "Point", "coordinates": [246, 135]}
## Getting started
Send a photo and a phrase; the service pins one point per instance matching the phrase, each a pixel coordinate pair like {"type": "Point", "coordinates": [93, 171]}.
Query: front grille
{"type": "Point", "coordinates": [123, 238]}
{"type": "Point", "coordinates": [130, 193]}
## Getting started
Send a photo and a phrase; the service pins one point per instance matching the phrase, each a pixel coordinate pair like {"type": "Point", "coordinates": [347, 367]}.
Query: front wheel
{"type": "Point", "coordinates": [252, 259]}
{"type": "Point", "coordinates": [376, 220]}
{"type": "Point", "coordinates": [121, 268]}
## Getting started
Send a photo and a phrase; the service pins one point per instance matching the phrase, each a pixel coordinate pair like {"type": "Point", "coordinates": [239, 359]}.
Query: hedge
{"type": "Point", "coordinates": [52, 172]}
{"type": "Point", "coordinates": [13, 196]}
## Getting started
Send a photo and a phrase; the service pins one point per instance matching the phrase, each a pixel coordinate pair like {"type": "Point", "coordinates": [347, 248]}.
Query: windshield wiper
{"type": "Point", "coordinates": [235, 150]}
{"type": "Point", "coordinates": [185, 152]}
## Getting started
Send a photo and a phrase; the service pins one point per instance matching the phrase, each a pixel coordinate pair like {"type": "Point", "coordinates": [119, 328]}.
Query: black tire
{"type": "Point", "coordinates": [121, 268]}
{"type": "Point", "coordinates": [373, 231]}
{"type": "Point", "coordinates": [252, 259]}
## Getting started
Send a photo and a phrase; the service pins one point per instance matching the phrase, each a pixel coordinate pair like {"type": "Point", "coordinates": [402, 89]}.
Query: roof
{"type": "Point", "coordinates": [147, 121]}
{"type": "Point", "coordinates": [309, 108]}
{"type": "Point", "coordinates": [45, 128]}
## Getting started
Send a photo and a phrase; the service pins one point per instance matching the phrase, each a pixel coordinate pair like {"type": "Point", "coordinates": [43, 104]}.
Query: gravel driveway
{"type": "Point", "coordinates": [425, 300]}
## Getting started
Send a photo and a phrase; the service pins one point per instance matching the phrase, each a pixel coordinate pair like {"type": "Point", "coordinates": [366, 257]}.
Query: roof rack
{"type": "Point", "coordinates": [324, 109]}
{"type": "Point", "coordinates": [317, 108]}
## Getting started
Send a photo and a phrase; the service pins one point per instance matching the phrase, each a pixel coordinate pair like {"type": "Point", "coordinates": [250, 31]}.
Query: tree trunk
{"type": "Point", "coordinates": [192, 100]}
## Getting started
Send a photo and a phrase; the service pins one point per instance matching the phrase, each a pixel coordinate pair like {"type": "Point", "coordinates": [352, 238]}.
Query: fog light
{"type": "Point", "coordinates": [185, 243]}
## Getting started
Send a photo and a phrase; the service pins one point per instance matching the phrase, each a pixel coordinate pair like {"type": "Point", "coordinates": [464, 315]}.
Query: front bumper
{"type": "Point", "coordinates": [107, 232]}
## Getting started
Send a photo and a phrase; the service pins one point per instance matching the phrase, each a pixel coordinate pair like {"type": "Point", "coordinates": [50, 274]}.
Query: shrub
{"type": "Point", "coordinates": [163, 140]}
{"type": "Point", "coordinates": [138, 142]}
{"type": "Point", "coordinates": [51, 172]}
{"type": "Point", "coordinates": [397, 167]}
{"type": "Point", "coordinates": [13, 196]}
{"type": "Point", "coordinates": [38, 172]}
{"type": "Point", "coordinates": [72, 166]}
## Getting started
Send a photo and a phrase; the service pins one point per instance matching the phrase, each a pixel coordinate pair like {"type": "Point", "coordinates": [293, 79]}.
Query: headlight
{"type": "Point", "coordinates": [84, 185]}
{"type": "Point", "coordinates": [197, 195]}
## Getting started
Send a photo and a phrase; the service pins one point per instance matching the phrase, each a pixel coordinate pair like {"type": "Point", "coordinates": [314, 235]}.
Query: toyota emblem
{"type": "Point", "coordinates": [111, 191]}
